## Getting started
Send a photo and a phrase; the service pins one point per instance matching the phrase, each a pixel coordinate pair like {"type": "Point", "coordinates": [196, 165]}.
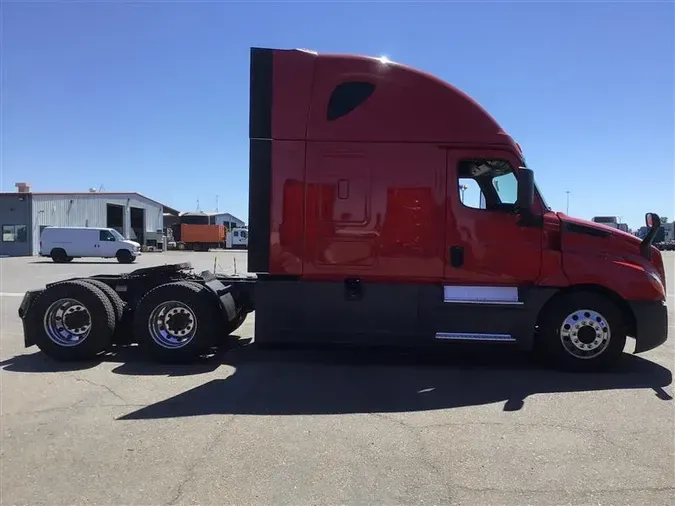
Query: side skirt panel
{"type": "Point", "coordinates": [354, 312]}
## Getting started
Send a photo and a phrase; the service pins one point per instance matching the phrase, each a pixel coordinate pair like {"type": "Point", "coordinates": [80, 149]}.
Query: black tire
{"type": "Point", "coordinates": [101, 323]}
{"type": "Point", "coordinates": [556, 339]}
{"type": "Point", "coordinates": [59, 255]}
{"type": "Point", "coordinates": [116, 301]}
{"type": "Point", "coordinates": [203, 312]}
{"type": "Point", "coordinates": [125, 257]}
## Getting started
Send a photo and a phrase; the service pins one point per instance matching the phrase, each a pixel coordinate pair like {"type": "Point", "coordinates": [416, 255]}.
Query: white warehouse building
{"type": "Point", "coordinates": [24, 214]}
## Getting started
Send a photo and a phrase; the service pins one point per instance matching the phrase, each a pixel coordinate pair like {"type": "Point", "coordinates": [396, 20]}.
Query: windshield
{"type": "Point", "coordinates": [117, 235]}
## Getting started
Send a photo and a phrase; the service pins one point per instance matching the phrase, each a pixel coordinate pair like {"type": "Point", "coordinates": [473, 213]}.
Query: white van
{"type": "Point", "coordinates": [63, 244]}
{"type": "Point", "coordinates": [237, 238]}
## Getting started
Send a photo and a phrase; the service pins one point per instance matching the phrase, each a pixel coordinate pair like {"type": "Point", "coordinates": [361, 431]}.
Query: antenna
{"type": "Point", "coordinates": [198, 208]}
{"type": "Point", "coordinates": [216, 203]}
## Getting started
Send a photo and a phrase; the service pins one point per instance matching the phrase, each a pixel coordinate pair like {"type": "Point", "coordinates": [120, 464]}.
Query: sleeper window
{"type": "Point", "coordinates": [346, 97]}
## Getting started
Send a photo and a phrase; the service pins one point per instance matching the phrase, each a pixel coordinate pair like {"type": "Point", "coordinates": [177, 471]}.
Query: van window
{"type": "Point", "coordinates": [487, 184]}
{"type": "Point", "coordinates": [243, 234]}
{"type": "Point", "coordinates": [346, 97]}
{"type": "Point", "coordinates": [236, 233]}
{"type": "Point", "coordinates": [106, 235]}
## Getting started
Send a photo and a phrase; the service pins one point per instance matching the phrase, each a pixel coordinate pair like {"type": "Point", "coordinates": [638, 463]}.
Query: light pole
{"type": "Point", "coordinates": [462, 189]}
{"type": "Point", "coordinates": [567, 210]}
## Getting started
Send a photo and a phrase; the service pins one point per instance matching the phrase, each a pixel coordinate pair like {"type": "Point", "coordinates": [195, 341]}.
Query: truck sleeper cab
{"type": "Point", "coordinates": [385, 207]}
{"type": "Point", "coordinates": [363, 228]}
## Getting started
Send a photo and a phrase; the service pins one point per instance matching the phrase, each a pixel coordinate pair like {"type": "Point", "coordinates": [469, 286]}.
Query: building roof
{"type": "Point", "coordinates": [220, 213]}
{"type": "Point", "coordinates": [165, 208]}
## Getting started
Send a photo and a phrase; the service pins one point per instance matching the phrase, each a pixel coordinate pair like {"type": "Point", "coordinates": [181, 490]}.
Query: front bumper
{"type": "Point", "coordinates": [651, 324]}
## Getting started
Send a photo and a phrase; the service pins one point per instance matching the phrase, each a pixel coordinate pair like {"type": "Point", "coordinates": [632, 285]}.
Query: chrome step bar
{"type": "Point", "coordinates": [467, 336]}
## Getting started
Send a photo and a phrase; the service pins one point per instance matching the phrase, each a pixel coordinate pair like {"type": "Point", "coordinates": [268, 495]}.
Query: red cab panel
{"type": "Point", "coordinates": [375, 210]}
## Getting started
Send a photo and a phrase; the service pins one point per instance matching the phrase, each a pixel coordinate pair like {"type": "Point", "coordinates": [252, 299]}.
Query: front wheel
{"type": "Point", "coordinates": [125, 257]}
{"type": "Point", "coordinates": [582, 331]}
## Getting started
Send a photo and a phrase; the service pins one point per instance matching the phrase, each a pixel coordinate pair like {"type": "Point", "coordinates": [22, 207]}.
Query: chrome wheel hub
{"type": "Point", "coordinates": [67, 322]}
{"type": "Point", "coordinates": [585, 334]}
{"type": "Point", "coordinates": [172, 324]}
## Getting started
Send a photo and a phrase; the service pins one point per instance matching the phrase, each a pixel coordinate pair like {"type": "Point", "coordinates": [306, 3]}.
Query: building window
{"type": "Point", "coordinates": [14, 233]}
{"type": "Point", "coordinates": [346, 97]}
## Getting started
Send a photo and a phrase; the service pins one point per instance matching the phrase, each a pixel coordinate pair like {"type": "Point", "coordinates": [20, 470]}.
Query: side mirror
{"type": "Point", "coordinates": [525, 198]}
{"type": "Point", "coordinates": [652, 221]}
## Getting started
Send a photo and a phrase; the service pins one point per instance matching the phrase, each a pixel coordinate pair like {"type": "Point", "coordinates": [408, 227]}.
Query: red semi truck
{"type": "Point", "coordinates": [358, 235]}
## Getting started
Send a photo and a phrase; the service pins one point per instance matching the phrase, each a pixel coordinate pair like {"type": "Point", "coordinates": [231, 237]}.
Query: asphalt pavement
{"type": "Point", "coordinates": [324, 427]}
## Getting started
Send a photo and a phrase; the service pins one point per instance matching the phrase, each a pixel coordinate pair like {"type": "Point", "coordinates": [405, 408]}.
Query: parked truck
{"type": "Point", "coordinates": [195, 232]}
{"type": "Point", "coordinates": [358, 235]}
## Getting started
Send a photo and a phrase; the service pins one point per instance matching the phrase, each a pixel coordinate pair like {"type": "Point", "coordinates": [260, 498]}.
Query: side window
{"type": "Point", "coordinates": [105, 235]}
{"type": "Point", "coordinates": [236, 233]}
{"type": "Point", "coordinates": [243, 234]}
{"type": "Point", "coordinates": [487, 184]}
{"type": "Point", "coordinates": [506, 187]}
{"type": "Point", "coordinates": [346, 97]}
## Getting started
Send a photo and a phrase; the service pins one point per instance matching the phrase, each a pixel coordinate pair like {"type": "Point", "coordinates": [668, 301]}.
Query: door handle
{"type": "Point", "coordinates": [456, 256]}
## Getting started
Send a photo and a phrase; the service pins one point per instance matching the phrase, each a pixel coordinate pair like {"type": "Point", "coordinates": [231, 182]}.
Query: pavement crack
{"type": "Point", "coordinates": [191, 469]}
{"type": "Point", "coordinates": [100, 385]}
{"type": "Point", "coordinates": [422, 449]}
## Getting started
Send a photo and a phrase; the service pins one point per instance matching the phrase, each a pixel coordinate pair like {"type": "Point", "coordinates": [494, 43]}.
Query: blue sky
{"type": "Point", "coordinates": [153, 96]}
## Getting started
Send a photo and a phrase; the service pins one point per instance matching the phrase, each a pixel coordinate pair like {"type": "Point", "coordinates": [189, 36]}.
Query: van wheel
{"type": "Point", "coordinates": [582, 331]}
{"type": "Point", "coordinates": [72, 320]}
{"type": "Point", "coordinates": [116, 301]}
{"type": "Point", "coordinates": [59, 255]}
{"type": "Point", "coordinates": [177, 322]}
{"type": "Point", "coordinates": [124, 256]}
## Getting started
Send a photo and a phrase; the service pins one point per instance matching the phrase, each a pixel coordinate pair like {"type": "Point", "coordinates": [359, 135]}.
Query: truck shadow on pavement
{"type": "Point", "coordinates": [343, 381]}
{"type": "Point", "coordinates": [311, 381]}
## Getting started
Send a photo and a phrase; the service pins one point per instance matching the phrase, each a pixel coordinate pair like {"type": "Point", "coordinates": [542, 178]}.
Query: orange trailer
{"type": "Point", "coordinates": [200, 237]}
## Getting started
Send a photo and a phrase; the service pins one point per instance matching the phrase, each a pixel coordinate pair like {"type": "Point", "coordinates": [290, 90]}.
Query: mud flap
{"type": "Point", "coordinates": [223, 292]}
{"type": "Point", "coordinates": [28, 299]}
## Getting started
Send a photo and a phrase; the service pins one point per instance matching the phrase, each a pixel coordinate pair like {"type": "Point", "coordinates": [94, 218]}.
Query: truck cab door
{"type": "Point", "coordinates": [487, 241]}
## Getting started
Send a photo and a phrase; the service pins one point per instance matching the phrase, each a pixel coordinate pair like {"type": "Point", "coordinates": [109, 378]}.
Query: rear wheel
{"type": "Point", "coordinates": [72, 320]}
{"type": "Point", "coordinates": [115, 300]}
{"type": "Point", "coordinates": [177, 322]}
{"type": "Point", "coordinates": [582, 331]}
{"type": "Point", "coordinates": [59, 256]}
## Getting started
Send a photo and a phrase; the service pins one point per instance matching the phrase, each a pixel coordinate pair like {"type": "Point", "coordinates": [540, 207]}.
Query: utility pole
{"type": "Point", "coordinates": [567, 211]}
